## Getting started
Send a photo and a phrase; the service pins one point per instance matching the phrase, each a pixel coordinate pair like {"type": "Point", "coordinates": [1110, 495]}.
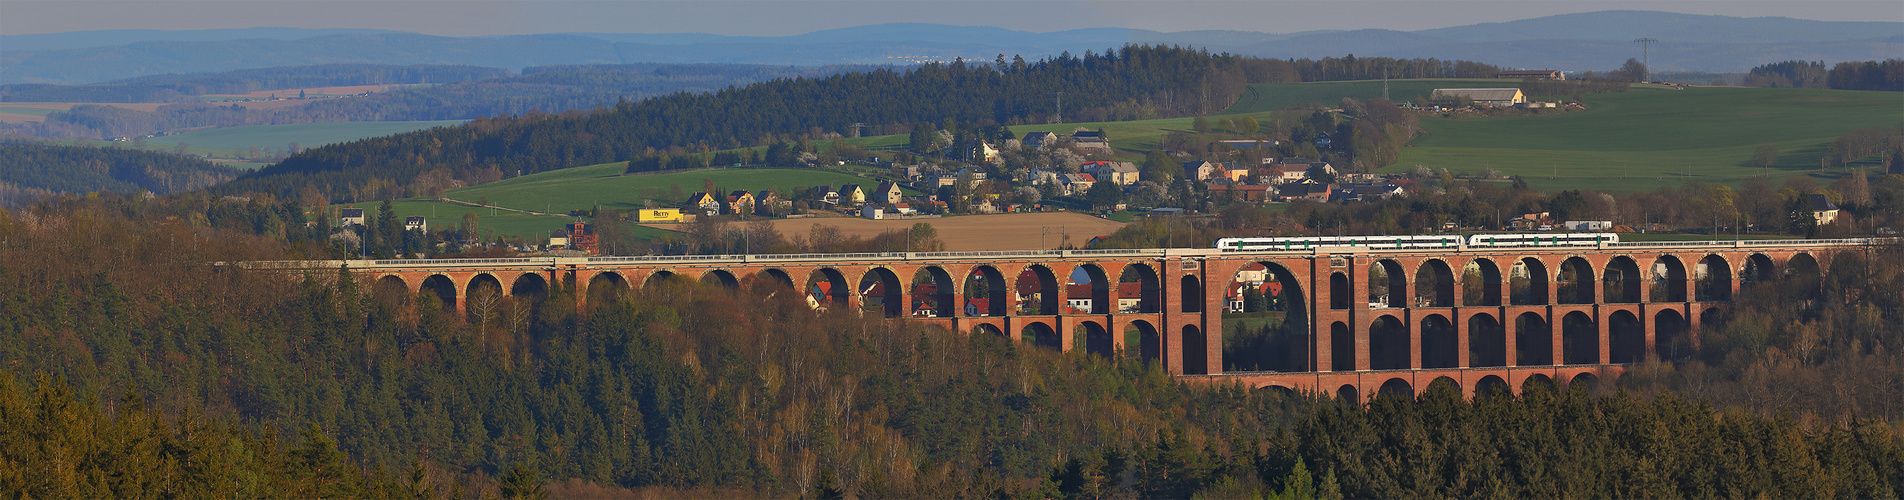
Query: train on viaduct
{"type": "Point", "coordinates": [1363, 319]}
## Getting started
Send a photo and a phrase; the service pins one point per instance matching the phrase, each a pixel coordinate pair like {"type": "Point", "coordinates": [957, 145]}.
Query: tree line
{"type": "Point", "coordinates": [1848, 75]}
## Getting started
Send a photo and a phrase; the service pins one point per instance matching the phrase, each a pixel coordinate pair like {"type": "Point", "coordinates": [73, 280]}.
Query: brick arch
{"type": "Point", "coordinates": [1757, 268]}
{"type": "Point", "coordinates": [1667, 279]}
{"type": "Point", "coordinates": [1149, 340]}
{"type": "Point", "coordinates": [1672, 335]}
{"type": "Point", "coordinates": [391, 289]}
{"type": "Point", "coordinates": [1342, 342]}
{"type": "Point", "coordinates": [1712, 279]}
{"type": "Point", "coordinates": [1579, 339]}
{"type": "Point", "coordinates": [483, 282]}
{"type": "Point", "coordinates": [1487, 341]}
{"type": "Point", "coordinates": [1193, 358]}
{"type": "Point", "coordinates": [1444, 382]}
{"type": "Point", "coordinates": [1149, 296]}
{"type": "Point", "coordinates": [1098, 340]}
{"type": "Point", "coordinates": [604, 286]}
{"type": "Point", "coordinates": [1295, 352]}
{"type": "Point", "coordinates": [1440, 346]}
{"type": "Point", "coordinates": [881, 291]}
{"type": "Point", "coordinates": [529, 284]}
{"type": "Point", "coordinates": [1042, 295]}
{"type": "Point", "coordinates": [1481, 282]}
{"type": "Point", "coordinates": [721, 278]}
{"type": "Point", "coordinates": [1191, 290]}
{"type": "Point", "coordinates": [775, 276]}
{"type": "Point", "coordinates": [1528, 282]}
{"type": "Point", "coordinates": [1389, 344]}
{"type": "Point", "coordinates": [1533, 340]}
{"type": "Point", "coordinates": [656, 278]}
{"type": "Point", "coordinates": [933, 292]}
{"type": "Point", "coordinates": [443, 287]}
{"type": "Point", "coordinates": [1531, 380]}
{"type": "Point", "coordinates": [1392, 286]}
{"type": "Point", "coordinates": [1575, 281]}
{"type": "Point", "coordinates": [1434, 284]}
{"type": "Point", "coordinates": [1397, 387]}
{"type": "Point", "coordinates": [1626, 337]}
{"type": "Point", "coordinates": [1492, 385]}
{"type": "Point", "coordinates": [1099, 288]}
{"type": "Point", "coordinates": [1039, 334]}
{"type": "Point", "coordinates": [827, 286]}
{"type": "Point", "coordinates": [1622, 281]}
{"type": "Point", "coordinates": [996, 288]}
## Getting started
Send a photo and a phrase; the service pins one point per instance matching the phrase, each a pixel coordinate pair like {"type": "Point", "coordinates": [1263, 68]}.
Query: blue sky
{"type": "Point", "coordinates": [788, 17]}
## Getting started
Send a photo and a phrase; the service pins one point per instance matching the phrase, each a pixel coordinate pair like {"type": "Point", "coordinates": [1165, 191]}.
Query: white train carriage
{"type": "Point", "coordinates": [1416, 242]}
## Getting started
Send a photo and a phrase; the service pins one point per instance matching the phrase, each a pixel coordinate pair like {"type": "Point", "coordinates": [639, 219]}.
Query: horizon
{"type": "Point", "coordinates": [777, 18]}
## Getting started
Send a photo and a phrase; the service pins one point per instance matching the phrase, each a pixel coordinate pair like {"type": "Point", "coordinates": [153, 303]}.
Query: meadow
{"type": "Point", "coordinates": [1279, 96]}
{"type": "Point", "coordinates": [489, 223]}
{"type": "Point", "coordinates": [1654, 136]}
{"type": "Point", "coordinates": [604, 185]}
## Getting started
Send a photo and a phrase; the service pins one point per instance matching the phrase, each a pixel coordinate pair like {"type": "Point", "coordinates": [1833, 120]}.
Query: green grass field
{"type": "Point", "coordinates": [1650, 136]}
{"type": "Point", "coordinates": [1278, 96]}
{"type": "Point", "coordinates": [278, 136]}
{"type": "Point", "coordinates": [584, 187]}
{"type": "Point", "coordinates": [15, 110]}
{"type": "Point", "coordinates": [501, 222]}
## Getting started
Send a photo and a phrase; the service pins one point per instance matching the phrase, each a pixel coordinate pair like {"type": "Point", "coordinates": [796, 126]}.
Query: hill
{"type": "Point", "coordinates": [1576, 42]}
{"type": "Point", "coordinates": [1652, 135]}
{"type": "Point", "coordinates": [28, 170]}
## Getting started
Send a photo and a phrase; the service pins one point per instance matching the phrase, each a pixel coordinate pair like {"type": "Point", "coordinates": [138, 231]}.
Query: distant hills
{"type": "Point", "coordinates": [1573, 42]}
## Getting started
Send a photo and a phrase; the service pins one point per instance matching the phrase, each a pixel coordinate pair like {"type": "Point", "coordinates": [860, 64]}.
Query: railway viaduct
{"type": "Point", "coordinates": [1359, 320]}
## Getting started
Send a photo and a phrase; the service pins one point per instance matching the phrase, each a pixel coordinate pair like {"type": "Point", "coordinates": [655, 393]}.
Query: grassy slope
{"type": "Point", "coordinates": [582, 187]}
{"type": "Point", "coordinates": [1277, 96]}
{"type": "Point", "coordinates": [1650, 136]}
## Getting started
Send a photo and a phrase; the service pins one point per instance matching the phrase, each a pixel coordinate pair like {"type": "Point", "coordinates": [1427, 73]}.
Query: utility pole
{"type": "Point", "coordinates": [856, 128]}
{"type": "Point", "coordinates": [1059, 117]}
{"type": "Point", "coordinates": [1646, 51]}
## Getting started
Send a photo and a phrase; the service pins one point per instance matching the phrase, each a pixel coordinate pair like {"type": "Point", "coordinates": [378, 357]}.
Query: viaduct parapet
{"type": "Point", "coordinates": [1357, 320]}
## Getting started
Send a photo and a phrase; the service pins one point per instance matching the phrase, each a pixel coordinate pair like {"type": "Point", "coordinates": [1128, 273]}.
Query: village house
{"type": "Point", "coordinates": [1252, 193]}
{"type": "Point", "coordinates": [582, 237]}
{"type": "Point", "coordinates": [887, 192]}
{"type": "Point", "coordinates": [767, 202]}
{"type": "Point", "coordinates": [1038, 140]}
{"type": "Point", "coordinates": [707, 204]}
{"type": "Point", "coordinates": [1091, 139]}
{"type": "Point", "coordinates": [826, 194]}
{"type": "Point", "coordinates": [740, 203]}
{"type": "Point", "coordinates": [350, 216]}
{"type": "Point", "coordinates": [1304, 191]}
{"type": "Point", "coordinates": [1822, 209]}
{"type": "Point", "coordinates": [1366, 191]}
{"type": "Point", "coordinates": [851, 195]}
{"type": "Point", "coordinates": [1199, 170]}
{"type": "Point", "coordinates": [415, 223]}
{"type": "Point", "coordinates": [1121, 172]}
{"type": "Point", "coordinates": [1076, 184]}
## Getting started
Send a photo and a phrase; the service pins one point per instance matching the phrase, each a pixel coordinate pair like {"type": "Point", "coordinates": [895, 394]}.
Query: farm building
{"type": "Point", "coordinates": [1492, 97]}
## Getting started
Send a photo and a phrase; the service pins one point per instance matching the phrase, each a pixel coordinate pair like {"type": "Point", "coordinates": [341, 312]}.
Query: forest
{"type": "Point", "coordinates": [1849, 75]}
{"type": "Point", "coordinates": [324, 385]}
{"type": "Point", "coordinates": [29, 171]}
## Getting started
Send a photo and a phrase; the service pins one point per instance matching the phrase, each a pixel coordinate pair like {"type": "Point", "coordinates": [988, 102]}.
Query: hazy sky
{"type": "Point", "coordinates": [788, 17]}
